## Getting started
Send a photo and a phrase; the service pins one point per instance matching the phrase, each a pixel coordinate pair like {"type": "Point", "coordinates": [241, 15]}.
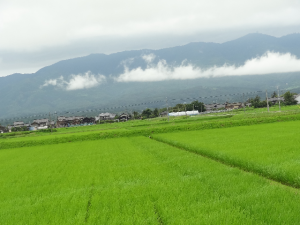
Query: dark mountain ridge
{"type": "Point", "coordinates": [22, 93]}
{"type": "Point", "coordinates": [198, 53]}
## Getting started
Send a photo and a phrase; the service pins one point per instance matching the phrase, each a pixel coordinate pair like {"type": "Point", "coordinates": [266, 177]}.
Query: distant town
{"type": "Point", "coordinates": [190, 109]}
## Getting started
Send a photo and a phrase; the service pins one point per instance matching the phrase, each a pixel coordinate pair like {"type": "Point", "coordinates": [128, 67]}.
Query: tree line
{"type": "Point", "coordinates": [287, 96]}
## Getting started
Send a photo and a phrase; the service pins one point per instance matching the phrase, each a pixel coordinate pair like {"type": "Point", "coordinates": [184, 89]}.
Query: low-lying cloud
{"type": "Point", "coordinates": [148, 58]}
{"type": "Point", "coordinates": [79, 81]}
{"type": "Point", "coordinates": [270, 62]}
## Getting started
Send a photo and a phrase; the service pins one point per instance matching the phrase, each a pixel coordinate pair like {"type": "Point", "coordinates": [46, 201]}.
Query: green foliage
{"type": "Point", "coordinates": [289, 98]}
{"type": "Point", "coordinates": [155, 112]}
{"type": "Point", "coordinates": [179, 107]}
{"type": "Point", "coordinates": [198, 106]}
{"type": "Point", "coordinates": [136, 115]}
{"type": "Point", "coordinates": [15, 129]}
{"type": "Point", "coordinates": [147, 113]}
{"type": "Point", "coordinates": [257, 103]}
{"type": "Point", "coordinates": [195, 105]}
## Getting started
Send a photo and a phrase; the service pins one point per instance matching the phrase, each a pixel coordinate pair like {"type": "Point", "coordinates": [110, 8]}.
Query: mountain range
{"type": "Point", "coordinates": [47, 89]}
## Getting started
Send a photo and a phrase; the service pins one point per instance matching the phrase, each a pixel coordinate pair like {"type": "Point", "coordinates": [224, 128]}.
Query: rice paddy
{"type": "Point", "coordinates": [241, 169]}
{"type": "Point", "coordinates": [271, 150]}
{"type": "Point", "coordinates": [134, 181]}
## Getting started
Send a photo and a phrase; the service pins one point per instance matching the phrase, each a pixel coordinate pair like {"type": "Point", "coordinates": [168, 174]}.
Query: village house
{"type": "Point", "coordinates": [63, 121]}
{"type": "Point", "coordinates": [19, 124]}
{"type": "Point", "coordinates": [275, 100]}
{"type": "Point", "coordinates": [297, 98]}
{"type": "Point", "coordinates": [3, 129]}
{"type": "Point", "coordinates": [88, 120]}
{"type": "Point", "coordinates": [237, 105]}
{"type": "Point", "coordinates": [164, 113]}
{"type": "Point", "coordinates": [214, 106]}
{"type": "Point", "coordinates": [41, 124]}
{"type": "Point", "coordinates": [9, 127]}
{"type": "Point", "coordinates": [124, 117]}
{"type": "Point", "coordinates": [106, 116]}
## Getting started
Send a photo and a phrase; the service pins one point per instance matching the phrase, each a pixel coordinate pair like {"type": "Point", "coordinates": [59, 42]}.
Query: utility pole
{"type": "Point", "coordinates": [50, 121]}
{"type": "Point", "coordinates": [243, 102]}
{"type": "Point", "coordinates": [267, 101]}
{"type": "Point", "coordinates": [278, 98]}
{"type": "Point", "coordinates": [167, 108]}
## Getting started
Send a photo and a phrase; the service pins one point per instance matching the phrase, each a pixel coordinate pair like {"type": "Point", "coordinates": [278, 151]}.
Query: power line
{"type": "Point", "coordinates": [124, 106]}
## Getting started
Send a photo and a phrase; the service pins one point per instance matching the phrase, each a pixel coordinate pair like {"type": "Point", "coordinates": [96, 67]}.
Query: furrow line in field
{"type": "Point", "coordinates": [87, 214]}
{"type": "Point", "coordinates": [159, 219]}
{"type": "Point", "coordinates": [227, 163]}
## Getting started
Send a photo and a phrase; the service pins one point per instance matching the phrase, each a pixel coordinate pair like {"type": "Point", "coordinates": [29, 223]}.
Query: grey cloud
{"type": "Point", "coordinates": [93, 18]}
{"type": "Point", "coordinates": [94, 27]}
{"type": "Point", "coordinates": [30, 62]}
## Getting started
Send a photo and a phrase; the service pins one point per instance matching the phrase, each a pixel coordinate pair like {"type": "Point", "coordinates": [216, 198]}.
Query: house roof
{"type": "Point", "coordinates": [62, 118]}
{"type": "Point", "coordinates": [296, 96]}
{"type": "Point", "coordinates": [214, 106]}
{"type": "Point", "coordinates": [234, 104]}
{"type": "Point", "coordinates": [164, 112]}
{"type": "Point", "coordinates": [275, 99]}
{"type": "Point", "coordinates": [107, 114]}
{"type": "Point", "coordinates": [18, 123]}
{"type": "Point", "coordinates": [40, 121]}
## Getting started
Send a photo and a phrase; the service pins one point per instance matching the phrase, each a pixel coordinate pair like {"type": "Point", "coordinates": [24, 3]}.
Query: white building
{"type": "Point", "coordinates": [185, 113]}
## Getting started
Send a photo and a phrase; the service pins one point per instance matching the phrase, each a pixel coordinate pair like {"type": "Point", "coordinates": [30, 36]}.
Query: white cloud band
{"type": "Point", "coordinates": [79, 81]}
{"type": "Point", "coordinates": [269, 63]}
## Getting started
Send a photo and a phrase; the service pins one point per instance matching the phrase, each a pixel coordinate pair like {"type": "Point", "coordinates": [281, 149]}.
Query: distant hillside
{"type": "Point", "coordinates": [21, 94]}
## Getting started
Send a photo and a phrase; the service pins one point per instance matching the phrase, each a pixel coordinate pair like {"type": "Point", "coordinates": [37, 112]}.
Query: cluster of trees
{"type": "Point", "coordinates": [148, 113]}
{"type": "Point", "coordinates": [195, 105]}
{"type": "Point", "coordinates": [257, 103]}
{"type": "Point", "coordinates": [287, 96]}
{"type": "Point", "coordinates": [19, 129]}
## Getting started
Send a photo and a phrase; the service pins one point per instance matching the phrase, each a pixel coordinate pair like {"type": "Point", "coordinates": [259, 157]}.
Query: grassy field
{"type": "Point", "coordinates": [268, 149]}
{"type": "Point", "coordinates": [245, 171]}
{"type": "Point", "coordinates": [134, 181]}
{"type": "Point", "coordinates": [130, 129]}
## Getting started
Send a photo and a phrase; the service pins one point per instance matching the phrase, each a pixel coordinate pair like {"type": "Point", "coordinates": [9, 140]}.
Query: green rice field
{"type": "Point", "coordinates": [134, 181]}
{"type": "Point", "coordinates": [242, 168]}
{"type": "Point", "coordinates": [272, 150]}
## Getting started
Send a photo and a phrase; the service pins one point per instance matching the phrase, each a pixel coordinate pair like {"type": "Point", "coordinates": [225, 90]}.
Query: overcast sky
{"type": "Point", "coordinates": [35, 33]}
